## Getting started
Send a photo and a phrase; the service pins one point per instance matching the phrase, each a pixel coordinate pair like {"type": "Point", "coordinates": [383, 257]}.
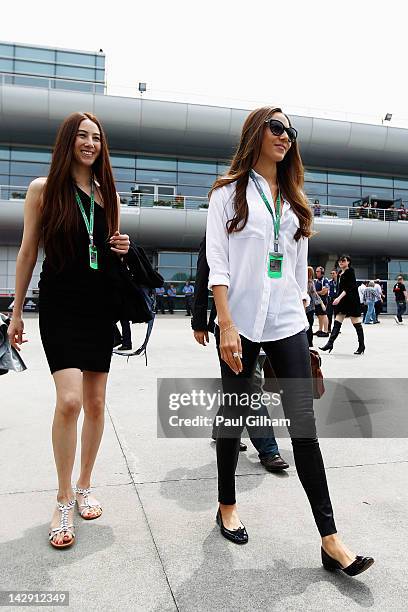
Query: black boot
{"type": "Point", "coordinates": [360, 336]}
{"type": "Point", "coordinates": [334, 333]}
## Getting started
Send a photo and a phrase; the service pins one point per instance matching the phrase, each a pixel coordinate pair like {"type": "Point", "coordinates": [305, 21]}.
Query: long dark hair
{"type": "Point", "coordinates": [290, 174]}
{"type": "Point", "coordinates": [59, 211]}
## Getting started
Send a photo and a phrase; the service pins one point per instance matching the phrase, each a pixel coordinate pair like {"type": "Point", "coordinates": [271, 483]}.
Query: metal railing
{"type": "Point", "coordinates": [29, 80]}
{"type": "Point", "coordinates": [184, 202]}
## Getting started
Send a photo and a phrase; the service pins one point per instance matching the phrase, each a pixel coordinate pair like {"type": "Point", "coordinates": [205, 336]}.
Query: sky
{"type": "Point", "coordinates": [343, 59]}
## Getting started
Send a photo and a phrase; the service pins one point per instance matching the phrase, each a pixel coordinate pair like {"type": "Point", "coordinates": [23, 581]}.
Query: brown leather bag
{"type": "Point", "coordinates": [317, 374]}
{"type": "Point", "coordinates": [271, 385]}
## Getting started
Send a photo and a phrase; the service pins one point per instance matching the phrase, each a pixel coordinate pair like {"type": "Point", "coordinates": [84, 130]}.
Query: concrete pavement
{"type": "Point", "coordinates": [156, 547]}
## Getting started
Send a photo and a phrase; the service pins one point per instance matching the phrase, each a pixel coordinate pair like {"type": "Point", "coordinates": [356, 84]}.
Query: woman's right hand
{"type": "Point", "coordinates": [230, 344]}
{"type": "Point", "coordinates": [15, 332]}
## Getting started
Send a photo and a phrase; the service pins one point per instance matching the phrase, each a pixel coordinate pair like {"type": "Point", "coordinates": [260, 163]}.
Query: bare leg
{"type": "Point", "coordinates": [336, 549]}
{"type": "Point", "coordinates": [94, 392]}
{"type": "Point", "coordinates": [68, 384]}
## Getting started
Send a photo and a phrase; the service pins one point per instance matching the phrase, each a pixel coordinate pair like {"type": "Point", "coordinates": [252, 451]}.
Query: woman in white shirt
{"type": "Point", "coordinates": [258, 224]}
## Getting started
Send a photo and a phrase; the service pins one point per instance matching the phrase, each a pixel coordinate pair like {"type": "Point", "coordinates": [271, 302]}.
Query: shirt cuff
{"type": "Point", "coordinates": [218, 279]}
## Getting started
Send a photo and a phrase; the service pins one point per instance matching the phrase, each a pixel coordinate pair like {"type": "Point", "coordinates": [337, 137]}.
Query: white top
{"type": "Point", "coordinates": [361, 288]}
{"type": "Point", "coordinates": [262, 308]}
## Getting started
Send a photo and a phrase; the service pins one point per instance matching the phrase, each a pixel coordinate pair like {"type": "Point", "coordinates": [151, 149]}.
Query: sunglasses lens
{"type": "Point", "coordinates": [292, 134]}
{"type": "Point", "coordinates": [276, 127]}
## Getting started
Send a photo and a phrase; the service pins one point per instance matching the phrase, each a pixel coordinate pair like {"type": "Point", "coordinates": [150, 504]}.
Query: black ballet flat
{"type": "Point", "coordinates": [238, 536]}
{"type": "Point", "coordinates": [359, 565]}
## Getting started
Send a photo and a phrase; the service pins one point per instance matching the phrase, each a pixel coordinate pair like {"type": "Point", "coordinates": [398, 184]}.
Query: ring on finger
{"type": "Point", "coordinates": [235, 355]}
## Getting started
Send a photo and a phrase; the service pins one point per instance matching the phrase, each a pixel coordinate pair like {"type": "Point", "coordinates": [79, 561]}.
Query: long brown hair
{"type": "Point", "coordinates": [290, 174]}
{"type": "Point", "coordinates": [59, 211]}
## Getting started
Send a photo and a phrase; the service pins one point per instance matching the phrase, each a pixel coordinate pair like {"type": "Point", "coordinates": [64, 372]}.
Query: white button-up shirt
{"type": "Point", "coordinates": [262, 308]}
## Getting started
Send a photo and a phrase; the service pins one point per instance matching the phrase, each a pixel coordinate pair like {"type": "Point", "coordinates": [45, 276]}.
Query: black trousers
{"type": "Point", "coordinates": [289, 359]}
{"type": "Point", "coordinates": [310, 317]}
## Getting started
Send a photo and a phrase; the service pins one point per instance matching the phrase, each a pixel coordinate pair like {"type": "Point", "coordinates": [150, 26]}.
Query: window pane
{"type": "Point", "coordinates": [45, 55]}
{"type": "Point", "coordinates": [192, 191]}
{"type": "Point", "coordinates": [124, 174]}
{"type": "Point", "coordinates": [400, 183]}
{"type": "Point", "coordinates": [74, 85]}
{"type": "Point", "coordinates": [4, 179]}
{"type": "Point", "coordinates": [165, 191]}
{"type": "Point", "coordinates": [21, 181]}
{"type": "Point", "coordinates": [339, 201]}
{"type": "Point", "coordinates": [124, 186]}
{"type": "Point", "coordinates": [6, 50]}
{"type": "Point", "coordinates": [187, 178]}
{"type": "Point", "coordinates": [318, 199]}
{"type": "Point", "coordinates": [38, 81]}
{"type": "Point", "coordinates": [345, 179]}
{"type": "Point", "coordinates": [122, 161]}
{"type": "Point", "coordinates": [100, 61]}
{"type": "Point", "coordinates": [6, 65]}
{"type": "Point", "coordinates": [401, 193]}
{"type": "Point", "coordinates": [4, 167]}
{"type": "Point", "coordinates": [315, 176]}
{"type": "Point", "coordinates": [345, 190]}
{"type": "Point", "coordinates": [377, 192]}
{"type": "Point", "coordinates": [34, 68]}
{"type": "Point", "coordinates": [315, 188]}
{"type": "Point", "coordinates": [377, 181]}
{"type": "Point", "coordinates": [180, 260]}
{"type": "Point", "coordinates": [174, 274]}
{"type": "Point", "coordinates": [197, 166]}
{"type": "Point", "coordinates": [194, 257]}
{"type": "Point", "coordinates": [154, 176]}
{"type": "Point", "coordinates": [75, 72]}
{"type": "Point", "coordinates": [100, 75]}
{"type": "Point", "coordinates": [30, 155]}
{"type": "Point", "coordinates": [156, 163]}
{"type": "Point", "coordinates": [223, 168]}
{"type": "Point", "coordinates": [4, 153]}
{"type": "Point", "coordinates": [75, 58]}
{"type": "Point", "coordinates": [30, 168]}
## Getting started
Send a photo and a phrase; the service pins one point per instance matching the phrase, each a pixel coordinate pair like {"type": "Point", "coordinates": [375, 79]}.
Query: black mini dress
{"type": "Point", "coordinates": [350, 303]}
{"type": "Point", "coordinates": [75, 307]}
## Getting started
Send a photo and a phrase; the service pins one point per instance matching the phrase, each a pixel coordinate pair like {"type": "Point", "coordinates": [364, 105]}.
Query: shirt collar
{"type": "Point", "coordinates": [265, 183]}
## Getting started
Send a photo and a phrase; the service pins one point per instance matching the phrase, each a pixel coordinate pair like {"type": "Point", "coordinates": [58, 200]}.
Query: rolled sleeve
{"type": "Point", "coordinates": [301, 268]}
{"type": "Point", "coordinates": [217, 241]}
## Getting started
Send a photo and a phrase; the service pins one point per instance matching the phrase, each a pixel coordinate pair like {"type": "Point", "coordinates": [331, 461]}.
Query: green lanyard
{"type": "Point", "coordinates": [276, 217]}
{"type": "Point", "coordinates": [93, 254]}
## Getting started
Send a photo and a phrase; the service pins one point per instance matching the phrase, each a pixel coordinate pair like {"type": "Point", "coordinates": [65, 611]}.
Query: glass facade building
{"type": "Point", "coordinates": [52, 68]}
{"type": "Point", "coordinates": [163, 177]}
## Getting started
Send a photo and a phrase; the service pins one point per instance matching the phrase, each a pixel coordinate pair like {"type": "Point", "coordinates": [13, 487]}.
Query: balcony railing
{"type": "Point", "coordinates": [181, 202]}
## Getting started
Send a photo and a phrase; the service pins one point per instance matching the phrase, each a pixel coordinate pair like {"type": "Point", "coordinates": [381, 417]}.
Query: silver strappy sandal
{"type": "Point", "coordinates": [86, 505]}
{"type": "Point", "coordinates": [64, 527]}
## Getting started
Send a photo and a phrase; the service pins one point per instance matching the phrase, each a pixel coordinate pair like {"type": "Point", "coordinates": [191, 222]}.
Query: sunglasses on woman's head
{"type": "Point", "coordinates": [277, 128]}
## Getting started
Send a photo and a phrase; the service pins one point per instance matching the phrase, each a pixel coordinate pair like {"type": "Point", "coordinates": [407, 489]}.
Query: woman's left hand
{"type": "Point", "coordinates": [335, 302]}
{"type": "Point", "coordinates": [119, 243]}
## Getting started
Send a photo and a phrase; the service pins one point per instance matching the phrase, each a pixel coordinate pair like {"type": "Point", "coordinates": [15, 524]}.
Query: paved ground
{"type": "Point", "coordinates": [157, 548]}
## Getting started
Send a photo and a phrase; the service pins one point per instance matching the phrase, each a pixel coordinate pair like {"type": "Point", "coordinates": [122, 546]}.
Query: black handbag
{"type": "Point", "coordinates": [134, 283]}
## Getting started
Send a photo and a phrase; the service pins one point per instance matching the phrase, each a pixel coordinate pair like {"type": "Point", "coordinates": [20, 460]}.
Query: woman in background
{"type": "Point", "coordinates": [346, 304]}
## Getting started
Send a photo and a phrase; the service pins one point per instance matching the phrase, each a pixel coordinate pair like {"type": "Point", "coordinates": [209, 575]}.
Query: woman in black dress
{"type": "Point", "coordinates": [75, 212]}
{"type": "Point", "coordinates": [346, 304]}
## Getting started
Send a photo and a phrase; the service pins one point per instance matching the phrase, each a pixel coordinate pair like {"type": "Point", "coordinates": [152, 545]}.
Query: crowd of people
{"type": "Point", "coordinates": [166, 296]}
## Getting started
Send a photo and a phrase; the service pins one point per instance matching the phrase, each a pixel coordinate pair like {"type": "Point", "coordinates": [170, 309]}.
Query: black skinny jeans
{"type": "Point", "coordinates": [289, 359]}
